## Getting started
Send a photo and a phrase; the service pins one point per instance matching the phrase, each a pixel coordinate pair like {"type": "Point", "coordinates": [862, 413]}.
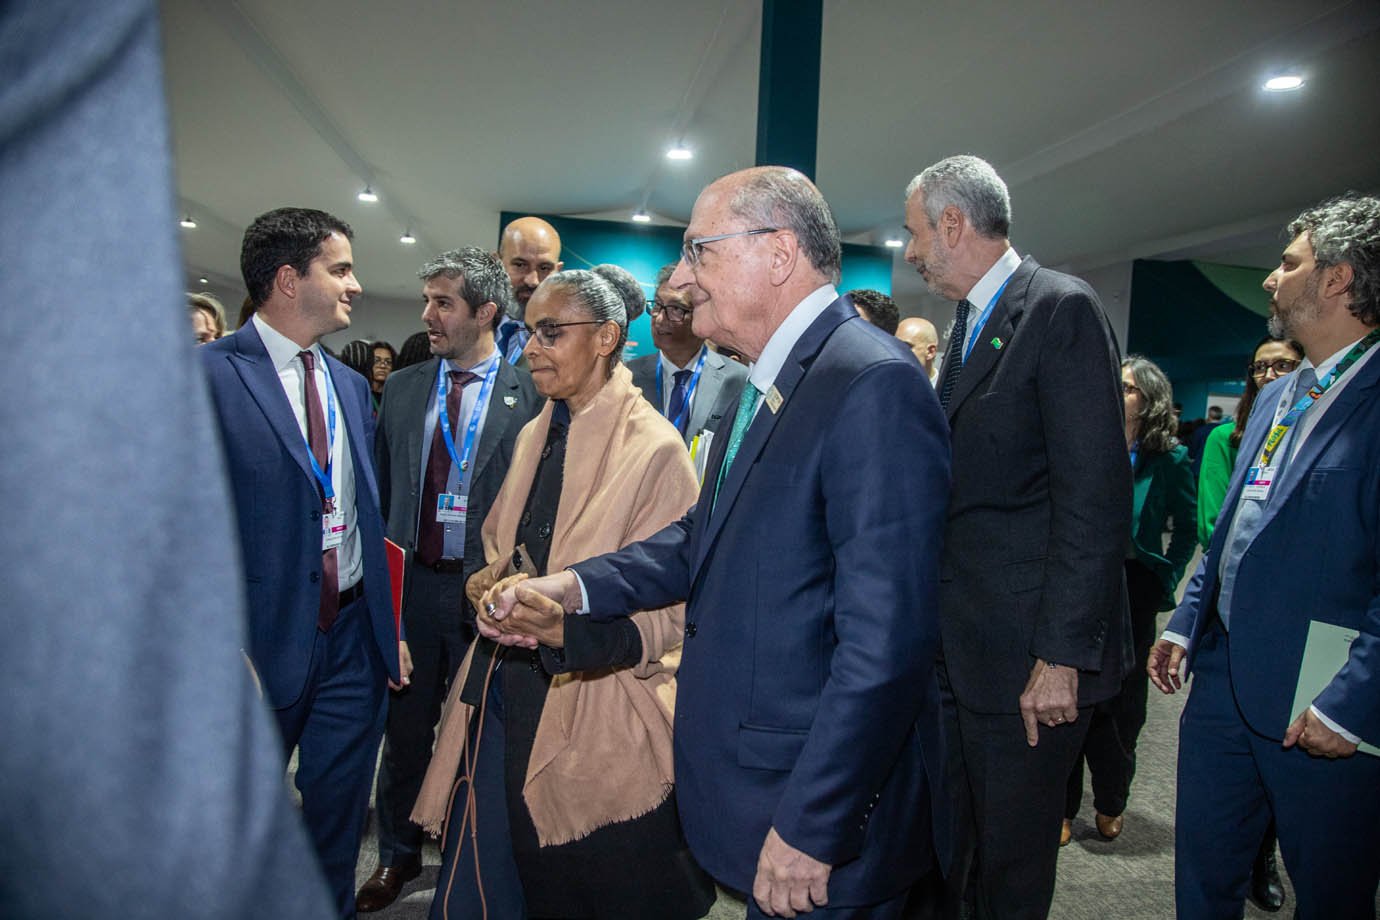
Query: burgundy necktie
{"type": "Point", "coordinates": [431, 534]}
{"type": "Point", "coordinates": [320, 445]}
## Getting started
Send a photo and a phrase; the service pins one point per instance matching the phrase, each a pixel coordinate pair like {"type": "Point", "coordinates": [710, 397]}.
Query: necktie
{"type": "Point", "coordinates": [747, 405]}
{"type": "Point", "coordinates": [319, 442]}
{"type": "Point", "coordinates": [953, 358]}
{"type": "Point", "coordinates": [431, 534]}
{"type": "Point", "coordinates": [678, 394]}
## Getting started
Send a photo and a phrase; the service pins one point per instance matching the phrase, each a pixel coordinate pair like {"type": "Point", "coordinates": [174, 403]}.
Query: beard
{"type": "Point", "coordinates": [1302, 312]}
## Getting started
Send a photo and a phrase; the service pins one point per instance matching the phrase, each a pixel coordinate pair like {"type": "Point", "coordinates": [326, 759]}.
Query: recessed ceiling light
{"type": "Point", "coordinates": [894, 243]}
{"type": "Point", "coordinates": [202, 281]}
{"type": "Point", "coordinates": [368, 195]}
{"type": "Point", "coordinates": [642, 217]}
{"type": "Point", "coordinates": [187, 223]}
{"type": "Point", "coordinates": [407, 239]}
{"type": "Point", "coordinates": [680, 152]}
{"type": "Point", "coordinates": [1284, 83]}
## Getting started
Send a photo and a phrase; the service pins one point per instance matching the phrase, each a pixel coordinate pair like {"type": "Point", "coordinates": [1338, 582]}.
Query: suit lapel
{"type": "Point", "coordinates": [416, 390]}
{"type": "Point", "coordinates": [354, 410]}
{"type": "Point", "coordinates": [501, 414]}
{"type": "Point", "coordinates": [998, 329]}
{"type": "Point", "coordinates": [251, 361]}
{"type": "Point", "coordinates": [706, 391]}
{"type": "Point", "coordinates": [759, 430]}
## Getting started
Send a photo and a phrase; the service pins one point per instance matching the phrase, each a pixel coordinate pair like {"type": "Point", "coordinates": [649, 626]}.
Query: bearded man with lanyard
{"type": "Point", "coordinates": [1281, 622]}
{"type": "Point", "coordinates": [439, 472]}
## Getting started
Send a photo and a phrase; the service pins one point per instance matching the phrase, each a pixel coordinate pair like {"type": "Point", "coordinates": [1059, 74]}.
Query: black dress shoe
{"type": "Point", "coordinates": [1267, 891]}
{"type": "Point", "coordinates": [385, 885]}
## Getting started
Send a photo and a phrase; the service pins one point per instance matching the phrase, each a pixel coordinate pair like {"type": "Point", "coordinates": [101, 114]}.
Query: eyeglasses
{"type": "Point", "coordinates": [693, 250]}
{"type": "Point", "coordinates": [674, 312]}
{"type": "Point", "coordinates": [383, 362]}
{"type": "Point", "coordinates": [546, 334]}
{"type": "Point", "coordinates": [1128, 388]}
{"type": "Point", "coordinates": [1280, 366]}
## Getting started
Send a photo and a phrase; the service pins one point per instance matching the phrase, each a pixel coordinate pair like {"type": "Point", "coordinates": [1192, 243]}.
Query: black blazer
{"type": "Point", "coordinates": [1037, 529]}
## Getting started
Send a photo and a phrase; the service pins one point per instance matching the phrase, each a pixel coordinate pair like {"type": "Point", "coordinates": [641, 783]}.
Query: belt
{"type": "Point", "coordinates": [442, 566]}
{"type": "Point", "coordinates": [351, 594]}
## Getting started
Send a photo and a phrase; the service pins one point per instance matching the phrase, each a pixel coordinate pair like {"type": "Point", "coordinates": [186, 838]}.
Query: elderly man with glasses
{"type": "Point", "coordinates": [687, 381]}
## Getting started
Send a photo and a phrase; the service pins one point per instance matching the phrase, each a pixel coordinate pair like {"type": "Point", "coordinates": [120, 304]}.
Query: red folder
{"type": "Point", "coordinates": [397, 559]}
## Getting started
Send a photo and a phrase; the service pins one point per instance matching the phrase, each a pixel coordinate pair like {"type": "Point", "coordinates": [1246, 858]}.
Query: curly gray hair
{"type": "Point", "coordinates": [1347, 229]}
{"type": "Point", "coordinates": [970, 184]}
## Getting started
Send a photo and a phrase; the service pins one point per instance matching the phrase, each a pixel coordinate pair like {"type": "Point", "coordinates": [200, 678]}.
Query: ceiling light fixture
{"type": "Point", "coordinates": [680, 152]}
{"type": "Point", "coordinates": [186, 223]}
{"type": "Point", "coordinates": [893, 243]}
{"type": "Point", "coordinates": [1284, 83]}
{"type": "Point", "coordinates": [368, 196]}
{"type": "Point", "coordinates": [642, 217]}
{"type": "Point", "coordinates": [202, 281]}
{"type": "Point", "coordinates": [407, 239]}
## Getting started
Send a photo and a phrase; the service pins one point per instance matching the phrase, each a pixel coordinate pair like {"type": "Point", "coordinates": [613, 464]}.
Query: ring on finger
{"type": "Point", "coordinates": [490, 609]}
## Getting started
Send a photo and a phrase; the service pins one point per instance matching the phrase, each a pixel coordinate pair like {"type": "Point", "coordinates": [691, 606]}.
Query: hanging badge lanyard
{"type": "Point", "coordinates": [332, 518]}
{"type": "Point", "coordinates": [452, 508]}
{"type": "Point", "coordinates": [982, 319]}
{"type": "Point", "coordinates": [689, 389]}
{"type": "Point", "coordinates": [1260, 477]}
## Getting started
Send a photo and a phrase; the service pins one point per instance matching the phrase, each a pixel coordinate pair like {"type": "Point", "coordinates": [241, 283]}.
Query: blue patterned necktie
{"type": "Point", "coordinates": [678, 394]}
{"type": "Point", "coordinates": [953, 359]}
{"type": "Point", "coordinates": [747, 406]}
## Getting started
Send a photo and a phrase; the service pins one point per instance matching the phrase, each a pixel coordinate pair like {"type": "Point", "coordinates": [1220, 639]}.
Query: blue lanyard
{"type": "Point", "coordinates": [982, 320]}
{"type": "Point", "coordinates": [1281, 427]}
{"type": "Point", "coordinates": [324, 476]}
{"type": "Point", "coordinates": [689, 390]}
{"type": "Point", "coordinates": [463, 460]}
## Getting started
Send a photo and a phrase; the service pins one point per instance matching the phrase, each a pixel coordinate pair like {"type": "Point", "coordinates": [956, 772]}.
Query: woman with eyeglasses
{"type": "Point", "coordinates": [1272, 358]}
{"type": "Point", "coordinates": [1162, 500]}
{"type": "Point", "coordinates": [557, 753]}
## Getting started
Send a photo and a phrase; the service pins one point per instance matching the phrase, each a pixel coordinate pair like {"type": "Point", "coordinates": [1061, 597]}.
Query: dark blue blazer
{"type": "Point", "coordinates": [1317, 557]}
{"type": "Point", "coordinates": [278, 509]}
{"type": "Point", "coordinates": [807, 698]}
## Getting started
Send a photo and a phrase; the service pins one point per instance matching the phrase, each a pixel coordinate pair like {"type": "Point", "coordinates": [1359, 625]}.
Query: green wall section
{"type": "Point", "coordinates": [1241, 284]}
{"type": "Point", "coordinates": [643, 248]}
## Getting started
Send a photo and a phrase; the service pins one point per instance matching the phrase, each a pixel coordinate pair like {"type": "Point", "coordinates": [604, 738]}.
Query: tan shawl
{"type": "Point", "coordinates": [602, 752]}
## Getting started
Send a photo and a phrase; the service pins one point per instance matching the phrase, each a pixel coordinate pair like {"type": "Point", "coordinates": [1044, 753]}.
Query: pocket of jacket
{"type": "Point", "coordinates": [763, 748]}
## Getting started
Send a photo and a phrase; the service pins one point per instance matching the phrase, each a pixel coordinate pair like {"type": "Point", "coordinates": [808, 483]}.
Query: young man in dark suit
{"type": "Point", "coordinates": [298, 431]}
{"type": "Point", "coordinates": [422, 460]}
{"type": "Point", "coordinates": [1032, 610]}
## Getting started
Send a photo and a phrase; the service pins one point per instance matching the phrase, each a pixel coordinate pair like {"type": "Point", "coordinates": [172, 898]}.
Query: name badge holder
{"type": "Point", "coordinates": [452, 508]}
{"type": "Point", "coordinates": [332, 518]}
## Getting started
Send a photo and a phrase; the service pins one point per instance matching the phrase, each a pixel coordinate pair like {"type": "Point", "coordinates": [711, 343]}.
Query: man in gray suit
{"type": "Point", "coordinates": [692, 385]}
{"type": "Point", "coordinates": [438, 475]}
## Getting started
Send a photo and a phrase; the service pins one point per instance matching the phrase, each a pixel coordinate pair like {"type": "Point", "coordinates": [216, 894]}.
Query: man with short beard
{"type": "Point", "coordinates": [529, 250]}
{"type": "Point", "coordinates": [1281, 622]}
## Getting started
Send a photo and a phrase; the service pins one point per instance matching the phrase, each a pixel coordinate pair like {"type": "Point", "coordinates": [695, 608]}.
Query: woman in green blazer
{"type": "Point", "coordinates": [1163, 501]}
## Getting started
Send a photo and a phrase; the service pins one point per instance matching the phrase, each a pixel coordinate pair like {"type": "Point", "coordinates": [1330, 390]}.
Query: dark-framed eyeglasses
{"type": "Point", "coordinates": [546, 334]}
{"type": "Point", "coordinates": [1280, 366]}
{"type": "Point", "coordinates": [693, 249]}
{"type": "Point", "coordinates": [674, 312]}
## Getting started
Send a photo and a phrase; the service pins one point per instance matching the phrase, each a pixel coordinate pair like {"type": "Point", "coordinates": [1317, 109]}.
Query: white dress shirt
{"type": "Point", "coordinates": [986, 289]}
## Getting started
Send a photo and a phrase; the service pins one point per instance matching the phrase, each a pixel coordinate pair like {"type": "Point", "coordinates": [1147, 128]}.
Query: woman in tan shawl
{"type": "Point", "coordinates": [564, 778]}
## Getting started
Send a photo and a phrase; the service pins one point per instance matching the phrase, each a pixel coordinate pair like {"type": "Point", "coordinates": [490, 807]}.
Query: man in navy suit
{"type": "Point", "coordinates": [808, 751]}
{"type": "Point", "coordinates": [298, 434]}
{"type": "Point", "coordinates": [1294, 565]}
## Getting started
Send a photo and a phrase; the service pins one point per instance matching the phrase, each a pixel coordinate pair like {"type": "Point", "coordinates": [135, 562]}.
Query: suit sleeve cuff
{"type": "Point", "coordinates": [1176, 638]}
{"type": "Point", "coordinates": [1334, 726]}
{"type": "Point", "coordinates": [584, 595]}
{"type": "Point", "coordinates": [591, 645]}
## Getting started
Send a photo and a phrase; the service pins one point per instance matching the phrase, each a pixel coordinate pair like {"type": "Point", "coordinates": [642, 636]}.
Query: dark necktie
{"type": "Point", "coordinates": [678, 394]}
{"type": "Point", "coordinates": [953, 359]}
{"type": "Point", "coordinates": [320, 445]}
{"type": "Point", "coordinates": [431, 534]}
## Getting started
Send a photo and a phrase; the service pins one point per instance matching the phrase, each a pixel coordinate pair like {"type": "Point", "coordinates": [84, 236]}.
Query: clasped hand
{"type": "Point", "coordinates": [513, 613]}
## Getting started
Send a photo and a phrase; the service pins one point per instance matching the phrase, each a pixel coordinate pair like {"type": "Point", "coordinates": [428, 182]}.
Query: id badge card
{"type": "Point", "coordinates": [332, 529]}
{"type": "Point", "coordinates": [1258, 482]}
{"type": "Point", "coordinates": [451, 508]}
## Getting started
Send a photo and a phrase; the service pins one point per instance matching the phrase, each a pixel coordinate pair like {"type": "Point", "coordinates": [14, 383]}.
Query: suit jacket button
{"type": "Point", "coordinates": [517, 559]}
{"type": "Point", "coordinates": [526, 518]}
{"type": "Point", "coordinates": [315, 577]}
{"type": "Point", "coordinates": [544, 531]}
{"type": "Point", "coordinates": [690, 630]}
{"type": "Point", "coordinates": [316, 515]}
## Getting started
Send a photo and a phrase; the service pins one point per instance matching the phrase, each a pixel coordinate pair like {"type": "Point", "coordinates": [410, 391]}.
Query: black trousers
{"type": "Point", "coordinates": [1110, 749]}
{"type": "Point", "coordinates": [438, 633]}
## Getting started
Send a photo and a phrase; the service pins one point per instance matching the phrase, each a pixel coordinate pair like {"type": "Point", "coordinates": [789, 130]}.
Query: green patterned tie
{"type": "Point", "coordinates": [747, 406]}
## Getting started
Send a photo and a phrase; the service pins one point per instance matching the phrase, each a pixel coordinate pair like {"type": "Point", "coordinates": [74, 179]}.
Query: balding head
{"type": "Point", "coordinates": [530, 250]}
{"type": "Point", "coordinates": [920, 335]}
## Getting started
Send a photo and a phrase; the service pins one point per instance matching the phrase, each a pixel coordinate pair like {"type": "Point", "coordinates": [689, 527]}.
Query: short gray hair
{"type": "Point", "coordinates": [482, 277]}
{"type": "Point", "coordinates": [627, 286]}
{"type": "Point", "coordinates": [784, 199]}
{"type": "Point", "coordinates": [1347, 229]}
{"type": "Point", "coordinates": [598, 298]}
{"type": "Point", "coordinates": [970, 184]}
{"type": "Point", "coordinates": [664, 273]}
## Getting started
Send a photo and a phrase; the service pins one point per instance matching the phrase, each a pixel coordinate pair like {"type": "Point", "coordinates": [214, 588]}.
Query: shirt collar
{"type": "Point", "coordinates": [764, 371]}
{"type": "Point", "coordinates": [988, 285]}
{"type": "Point", "coordinates": [281, 349]}
{"type": "Point", "coordinates": [1329, 362]}
{"type": "Point", "coordinates": [479, 370]}
{"type": "Point", "coordinates": [669, 368]}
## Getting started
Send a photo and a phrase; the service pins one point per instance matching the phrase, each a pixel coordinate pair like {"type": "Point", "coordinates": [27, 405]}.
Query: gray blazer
{"type": "Point", "coordinates": [721, 384]}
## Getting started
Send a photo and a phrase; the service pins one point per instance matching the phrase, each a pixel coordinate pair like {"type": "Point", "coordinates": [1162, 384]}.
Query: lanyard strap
{"type": "Point", "coordinates": [323, 477]}
{"type": "Point", "coordinates": [462, 460]}
{"type": "Point", "coordinates": [689, 389]}
{"type": "Point", "coordinates": [1315, 392]}
{"type": "Point", "coordinates": [982, 319]}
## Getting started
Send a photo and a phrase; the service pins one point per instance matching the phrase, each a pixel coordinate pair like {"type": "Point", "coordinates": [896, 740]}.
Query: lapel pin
{"type": "Point", "coordinates": [774, 400]}
{"type": "Point", "coordinates": [510, 401]}
{"type": "Point", "coordinates": [996, 343]}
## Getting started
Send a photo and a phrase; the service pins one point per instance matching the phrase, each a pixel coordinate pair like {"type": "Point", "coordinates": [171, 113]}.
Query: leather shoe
{"type": "Point", "coordinates": [385, 885]}
{"type": "Point", "coordinates": [1109, 828]}
{"type": "Point", "coordinates": [1066, 833]}
{"type": "Point", "coordinates": [1267, 891]}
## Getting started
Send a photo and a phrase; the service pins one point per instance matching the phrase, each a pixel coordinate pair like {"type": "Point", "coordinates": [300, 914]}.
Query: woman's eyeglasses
{"type": "Point", "coordinates": [546, 334]}
{"type": "Point", "coordinates": [1280, 366]}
